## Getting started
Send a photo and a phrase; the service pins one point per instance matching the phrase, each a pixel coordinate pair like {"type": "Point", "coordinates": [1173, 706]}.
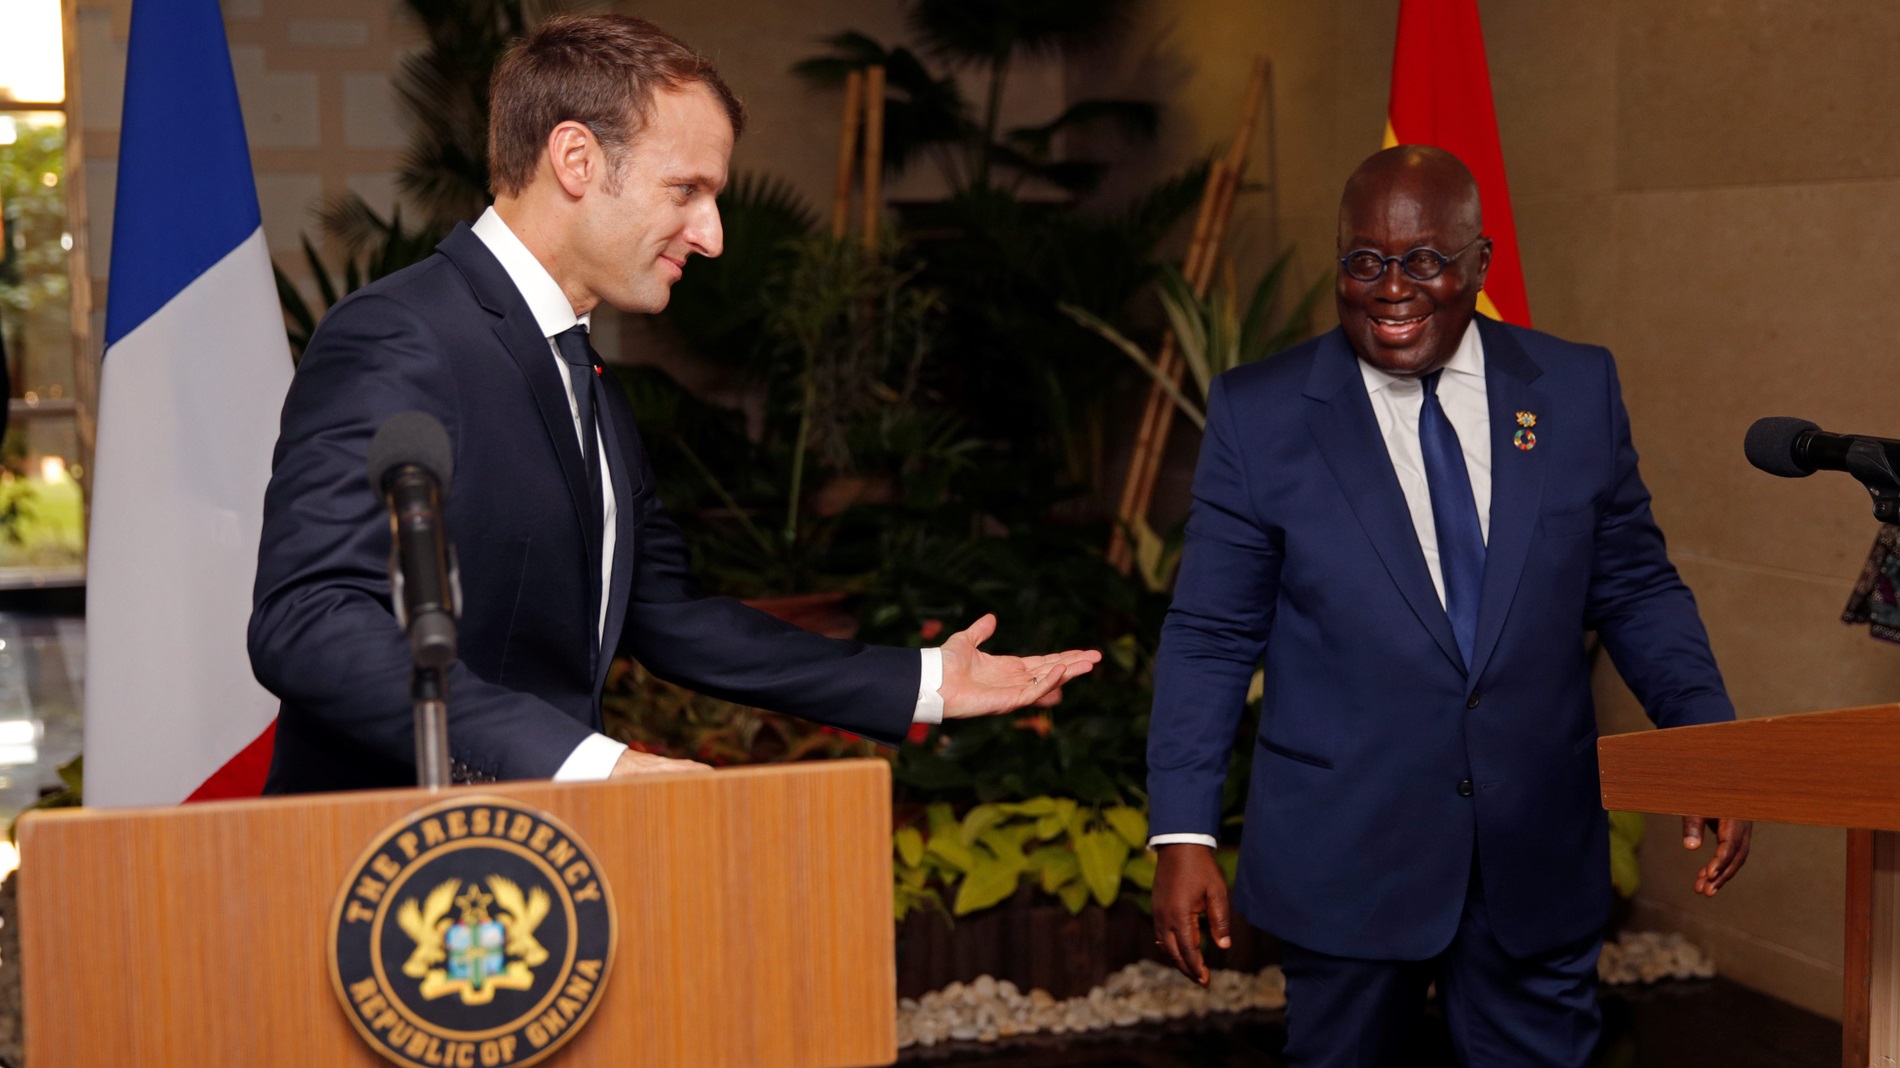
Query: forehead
{"type": "Point", "coordinates": [1404, 211]}
{"type": "Point", "coordinates": [687, 128]}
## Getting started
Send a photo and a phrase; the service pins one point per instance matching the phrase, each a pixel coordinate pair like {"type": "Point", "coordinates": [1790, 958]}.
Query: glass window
{"type": "Point", "coordinates": [42, 526]}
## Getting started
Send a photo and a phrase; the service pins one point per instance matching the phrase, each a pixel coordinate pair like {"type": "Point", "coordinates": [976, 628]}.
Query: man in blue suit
{"type": "Point", "coordinates": [1415, 519]}
{"type": "Point", "coordinates": [609, 140]}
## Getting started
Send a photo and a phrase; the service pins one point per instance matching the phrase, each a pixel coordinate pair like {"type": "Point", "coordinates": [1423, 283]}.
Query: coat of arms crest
{"type": "Point", "coordinates": [479, 951]}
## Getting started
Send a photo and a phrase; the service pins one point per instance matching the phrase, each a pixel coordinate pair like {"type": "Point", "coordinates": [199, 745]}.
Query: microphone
{"type": "Point", "coordinates": [410, 466]}
{"type": "Point", "coordinates": [1796, 448]}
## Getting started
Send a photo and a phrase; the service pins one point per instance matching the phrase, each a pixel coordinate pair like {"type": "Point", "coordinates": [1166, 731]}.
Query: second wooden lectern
{"type": "Point", "coordinates": [753, 918]}
{"type": "Point", "coordinates": [1832, 769]}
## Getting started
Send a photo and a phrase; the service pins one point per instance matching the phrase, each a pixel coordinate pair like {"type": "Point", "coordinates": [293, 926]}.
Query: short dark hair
{"type": "Point", "coordinates": [597, 70]}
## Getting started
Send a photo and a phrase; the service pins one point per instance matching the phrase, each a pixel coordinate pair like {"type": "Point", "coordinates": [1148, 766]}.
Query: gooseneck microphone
{"type": "Point", "coordinates": [1796, 448]}
{"type": "Point", "coordinates": [411, 462]}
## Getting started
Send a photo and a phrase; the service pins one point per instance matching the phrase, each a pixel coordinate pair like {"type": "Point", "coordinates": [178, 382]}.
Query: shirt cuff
{"type": "Point", "coordinates": [929, 685]}
{"type": "Point", "coordinates": [591, 761]}
{"type": "Point", "coordinates": [1207, 840]}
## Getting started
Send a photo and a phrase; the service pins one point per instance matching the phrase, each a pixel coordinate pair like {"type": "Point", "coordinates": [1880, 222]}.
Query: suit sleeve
{"type": "Point", "coordinates": [721, 647]}
{"type": "Point", "coordinates": [1638, 604]}
{"type": "Point", "coordinates": [1215, 632]}
{"type": "Point", "coordinates": [323, 636]}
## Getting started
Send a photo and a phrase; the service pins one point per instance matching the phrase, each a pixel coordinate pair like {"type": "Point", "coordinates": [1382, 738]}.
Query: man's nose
{"type": "Point", "coordinates": [705, 233]}
{"type": "Point", "coordinates": [1394, 284]}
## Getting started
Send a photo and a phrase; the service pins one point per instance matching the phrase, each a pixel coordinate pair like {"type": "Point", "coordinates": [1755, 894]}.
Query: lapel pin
{"type": "Point", "coordinates": [1525, 438]}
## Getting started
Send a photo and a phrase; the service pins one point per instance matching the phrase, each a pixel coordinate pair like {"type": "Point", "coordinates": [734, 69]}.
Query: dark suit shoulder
{"type": "Point", "coordinates": [421, 286]}
{"type": "Point", "coordinates": [1547, 349]}
{"type": "Point", "coordinates": [1277, 377]}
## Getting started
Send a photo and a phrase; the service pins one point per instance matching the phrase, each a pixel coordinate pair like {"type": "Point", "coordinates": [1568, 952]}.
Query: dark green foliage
{"type": "Point", "coordinates": [923, 113]}
{"type": "Point", "coordinates": [927, 113]}
{"type": "Point", "coordinates": [444, 91]}
{"type": "Point", "coordinates": [378, 247]}
{"type": "Point", "coordinates": [720, 307]}
{"type": "Point", "coordinates": [1026, 374]}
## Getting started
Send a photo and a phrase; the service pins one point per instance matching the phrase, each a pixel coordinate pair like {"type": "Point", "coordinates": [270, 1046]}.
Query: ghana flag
{"type": "Point", "coordinates": [1441, 95]}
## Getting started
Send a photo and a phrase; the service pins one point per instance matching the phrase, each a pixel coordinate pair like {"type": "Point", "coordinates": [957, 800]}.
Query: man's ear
{"type": "Point", "coordinates": [1484, 262]}
{"type": "Point", "coordinates": [575, 157]}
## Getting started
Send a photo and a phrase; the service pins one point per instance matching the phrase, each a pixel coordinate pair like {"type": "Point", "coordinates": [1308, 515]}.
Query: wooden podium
{"type": "Point", "coordinates": [753, 916]}
{"type": "Point", "coordinates": [1832, 769]}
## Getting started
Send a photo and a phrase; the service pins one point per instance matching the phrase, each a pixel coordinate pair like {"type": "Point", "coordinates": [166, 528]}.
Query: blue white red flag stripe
{"type": "Point", "coordinates": [195, 372]}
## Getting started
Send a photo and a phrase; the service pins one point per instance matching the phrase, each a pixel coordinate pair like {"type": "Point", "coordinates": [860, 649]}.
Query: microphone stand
{"type": "Point", "coordinates": [1873, 465]}
{"type": "Point", "coordinates": [422, 571]}
{"type": "Point", "coordinates": [429, 692]}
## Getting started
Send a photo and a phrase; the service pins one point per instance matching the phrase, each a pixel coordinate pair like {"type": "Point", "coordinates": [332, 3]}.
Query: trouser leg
{"type": "Point", "coordinates": [1345, 1013]}
{"type": "Point", "coordinates": [1508, 1012]}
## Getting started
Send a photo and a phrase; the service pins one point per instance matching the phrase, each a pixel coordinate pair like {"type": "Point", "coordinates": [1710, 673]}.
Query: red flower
{"type": "Point", "coordinates": [932, 628]}
{"type": "Point", "coordinates": [918, 732]}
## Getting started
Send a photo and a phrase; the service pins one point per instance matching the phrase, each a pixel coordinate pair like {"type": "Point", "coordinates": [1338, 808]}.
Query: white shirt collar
{"type": "Point", "coordinates": [552, 312]}
{"type": "Point", "coordinates": [1466, 359]}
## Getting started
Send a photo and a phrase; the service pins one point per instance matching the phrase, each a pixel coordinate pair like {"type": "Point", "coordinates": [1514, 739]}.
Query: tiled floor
{"type": "Point", "coordinates": [42, 687]}
{"type": "Point", "coordinates": [1708, 1024]}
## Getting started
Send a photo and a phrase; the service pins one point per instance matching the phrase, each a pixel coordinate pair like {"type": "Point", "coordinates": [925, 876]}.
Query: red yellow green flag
{"type": "Point", "coordinates": [1441, 95]}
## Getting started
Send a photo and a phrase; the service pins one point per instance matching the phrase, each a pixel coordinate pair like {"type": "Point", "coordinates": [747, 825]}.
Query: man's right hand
{"type": "Point", "coordinates": [1188, 883]}
{"type": "Point", "coordinates": [633, 762]}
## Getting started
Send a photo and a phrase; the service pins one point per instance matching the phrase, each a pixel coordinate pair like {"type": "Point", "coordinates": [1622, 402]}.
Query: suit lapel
{"type": "Point", "coordinates": [1517, 480]}
{"type": "Point", "coordinates": [1347, 432]}
{"type": "Point", "coordinates": [521, 337]}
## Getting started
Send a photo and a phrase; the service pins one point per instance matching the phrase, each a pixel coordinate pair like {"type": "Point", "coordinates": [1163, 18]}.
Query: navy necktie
{"type": "Point", "coordinates": [584, 377]}
{"type": "Point", "coordinates": [1454, 515]}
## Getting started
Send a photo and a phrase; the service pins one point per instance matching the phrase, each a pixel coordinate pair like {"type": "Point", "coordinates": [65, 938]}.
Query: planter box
{"type": "Point", "coordinates": [1032, 941]}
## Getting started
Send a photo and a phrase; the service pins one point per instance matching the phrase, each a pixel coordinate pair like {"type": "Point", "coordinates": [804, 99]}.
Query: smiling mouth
{"type": "Point", "coordinates": [1395, 331]}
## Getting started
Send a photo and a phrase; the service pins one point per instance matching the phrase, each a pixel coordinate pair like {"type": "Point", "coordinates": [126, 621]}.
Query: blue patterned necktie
{"type": "Point", "coordinates": [1454, 515]}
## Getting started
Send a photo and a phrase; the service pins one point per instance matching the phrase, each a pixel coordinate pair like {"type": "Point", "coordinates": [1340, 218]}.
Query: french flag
{"type": "Point", "coordinates": [196, 368]}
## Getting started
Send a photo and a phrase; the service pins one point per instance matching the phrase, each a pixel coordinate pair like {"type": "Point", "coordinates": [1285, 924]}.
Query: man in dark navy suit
{"type": "Point", "coordinates": [609, 140]}
{"type": "Point", "coordinates": [1415, 519]}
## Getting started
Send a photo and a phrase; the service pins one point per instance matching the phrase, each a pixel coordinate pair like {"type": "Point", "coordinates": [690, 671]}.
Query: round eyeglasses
{"type": "Point", "coordinates": [1420, 264]}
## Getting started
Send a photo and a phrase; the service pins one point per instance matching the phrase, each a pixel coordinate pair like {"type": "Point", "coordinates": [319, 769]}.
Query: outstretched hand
{"type": "Point", "coordinates": [976, 683]}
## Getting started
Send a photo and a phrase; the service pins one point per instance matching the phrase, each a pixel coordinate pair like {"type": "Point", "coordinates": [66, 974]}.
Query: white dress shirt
{"type": "Point", "coordinates": [594, 758]}
{"type": "Point", "coordinates": [1395, 404]}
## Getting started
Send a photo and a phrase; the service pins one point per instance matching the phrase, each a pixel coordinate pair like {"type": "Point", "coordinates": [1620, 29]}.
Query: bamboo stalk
{"type": "Point", "coordinates": [1217, 205]}
{"type": "Point", "coordinates": [873, 154]}
{"type": "Point", "coordinates": [1120, 552]}
{"type": "Point", "coordinates": [847, 154]}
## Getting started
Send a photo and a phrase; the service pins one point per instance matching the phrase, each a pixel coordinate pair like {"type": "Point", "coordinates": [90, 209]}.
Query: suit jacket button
{"type": "Point", "coordinates": [1472, 701]}
{"type": "Point", "coordinates": [1464, 789]}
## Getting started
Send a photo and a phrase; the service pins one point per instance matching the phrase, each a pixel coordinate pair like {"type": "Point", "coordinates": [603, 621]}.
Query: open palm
{"type": "Point", "coordinates": [976, 683]}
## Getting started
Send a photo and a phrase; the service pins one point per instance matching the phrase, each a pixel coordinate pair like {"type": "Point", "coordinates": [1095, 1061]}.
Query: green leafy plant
{"type": "Point", "coordinates": [655, 716]}
{"type": "Point", "coordinates": [388, 247]}
{"type": "Point", "coordinates": [71, 794]}
{"type": "Point", "coordinates": [1074, 852]}
{"type": "Point", "coordinates": [1212, 333]}
{"type": "Point", "coordinates": [1626, 835]}
{"type": "Point", "coordinates": [928, 114]}
{"type": "Point", "coordinates": [443, 90]}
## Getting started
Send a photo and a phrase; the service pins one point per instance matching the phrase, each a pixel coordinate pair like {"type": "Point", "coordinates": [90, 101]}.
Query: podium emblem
{"type": "Point", "coordinates": [477, 931]}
